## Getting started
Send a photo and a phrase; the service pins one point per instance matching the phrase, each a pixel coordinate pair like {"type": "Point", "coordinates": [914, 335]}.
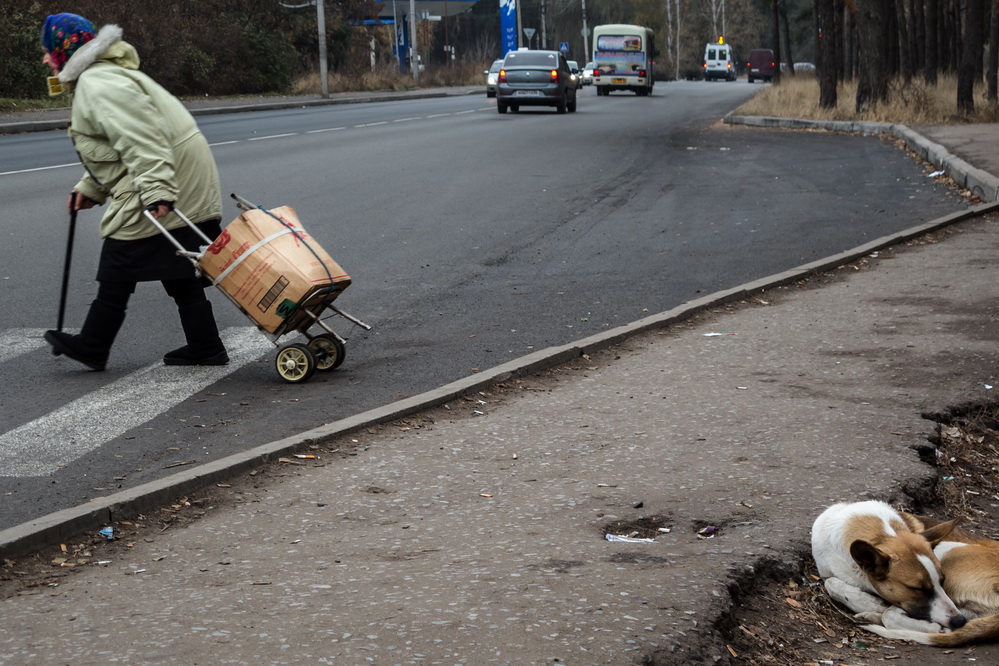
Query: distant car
{"type": "Point", "coordinates": [535, 78]}
{"type": "Point", "coordinates": [761, 65]}
{"type": "Point", "coordinates": [576, 73]}
{"type": "Point", "coordinates": [719, 62]}
{"type": "Point", "coordinates": [491, 75]}
{"type": "Point", "coordinates": [586, 75]}
{"type": "Point", "coordinates": [804, 67]}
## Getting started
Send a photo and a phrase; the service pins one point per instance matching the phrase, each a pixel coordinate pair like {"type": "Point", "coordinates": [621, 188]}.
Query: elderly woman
{"type": "Point", "coordinates": [141, 150]}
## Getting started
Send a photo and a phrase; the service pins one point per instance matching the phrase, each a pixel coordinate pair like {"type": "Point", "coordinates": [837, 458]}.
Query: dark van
{"type": "Point", "coordinates": [761, 65]}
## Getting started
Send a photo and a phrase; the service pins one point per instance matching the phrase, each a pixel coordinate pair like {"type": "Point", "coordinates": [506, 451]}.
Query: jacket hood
{"type": "Point", "coordinates": [107, 46]}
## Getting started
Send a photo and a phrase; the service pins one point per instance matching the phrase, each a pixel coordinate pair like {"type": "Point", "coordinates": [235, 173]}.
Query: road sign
{"type": "Point", "coordinates": [563, 47]}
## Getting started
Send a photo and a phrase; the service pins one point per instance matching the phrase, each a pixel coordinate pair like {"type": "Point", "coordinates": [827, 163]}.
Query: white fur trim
{"type": "Point", "coordinates": [87, 54]}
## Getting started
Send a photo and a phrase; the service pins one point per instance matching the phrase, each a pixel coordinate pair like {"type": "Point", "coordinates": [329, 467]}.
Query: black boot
{"type": "Point", "coordinates": [93, 344]}
{"type": "Point", "coordinates": [204, 346]}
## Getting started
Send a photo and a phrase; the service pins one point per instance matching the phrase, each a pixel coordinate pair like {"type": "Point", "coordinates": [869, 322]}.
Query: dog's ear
{"type": "Point", "coordinates": [871, 560]}
{"type": "Point", "coordinates": [937, 533]}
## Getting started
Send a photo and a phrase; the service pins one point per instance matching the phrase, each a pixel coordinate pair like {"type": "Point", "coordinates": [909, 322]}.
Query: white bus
{"type": "Point", "coordinates": [623, 56]}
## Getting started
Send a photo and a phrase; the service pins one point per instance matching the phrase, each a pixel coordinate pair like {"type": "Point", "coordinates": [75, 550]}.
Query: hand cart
{"type": "Point", "coordinates": [280, 278]}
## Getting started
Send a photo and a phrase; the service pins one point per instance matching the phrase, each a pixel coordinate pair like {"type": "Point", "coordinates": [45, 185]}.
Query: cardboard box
{"type": "Point", "coordinates": [269, 265]}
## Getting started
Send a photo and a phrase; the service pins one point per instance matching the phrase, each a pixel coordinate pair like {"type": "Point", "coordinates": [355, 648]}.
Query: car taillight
{"type": "Point", "coordinates": [501, 77]}
{"type": "Point", "coordinates": [553, 76]}
{"type": "Point", "coordinates": [641, 73]}
{"type": "Point", "coordinates": [596, 73]}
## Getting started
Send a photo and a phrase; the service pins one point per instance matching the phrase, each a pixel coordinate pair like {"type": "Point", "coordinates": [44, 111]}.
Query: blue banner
{"type": "Point", "coordinates": [508, 26]}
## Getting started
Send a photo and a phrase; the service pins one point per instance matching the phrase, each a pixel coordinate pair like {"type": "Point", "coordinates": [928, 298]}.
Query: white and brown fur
{"type": "Point", "coordinates": [879, 563]}
{"type": "Point", "coordinates": [970, 565]}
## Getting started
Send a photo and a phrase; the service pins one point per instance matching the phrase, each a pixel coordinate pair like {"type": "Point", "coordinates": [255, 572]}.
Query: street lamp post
{"type": "Point", "coordinates": [520, 24]}
{"type": "Point", "coordinates": [324, 81]}
{"type": "Point", "coordinates": [544, 29]}
{"type": "Point", "coordinates": [412, 43]}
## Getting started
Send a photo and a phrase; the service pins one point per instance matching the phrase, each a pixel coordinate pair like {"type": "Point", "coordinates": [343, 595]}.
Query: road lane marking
{"type": "Point", "coordinates": [44, 445]}
{"type": "Point", "coordinates": [272, 136]}
{"type": "Point", "coordinates": [44, 168]}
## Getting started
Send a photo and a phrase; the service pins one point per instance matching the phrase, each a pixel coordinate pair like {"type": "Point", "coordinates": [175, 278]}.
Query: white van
{"type": "Point", "coordinates": [719, 61]}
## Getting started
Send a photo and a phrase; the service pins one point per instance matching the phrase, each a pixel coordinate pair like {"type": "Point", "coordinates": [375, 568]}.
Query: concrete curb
{"type": "Point", "coordinates": [981, 183]}
{"type": "Point", "coordinates": [90, 517]}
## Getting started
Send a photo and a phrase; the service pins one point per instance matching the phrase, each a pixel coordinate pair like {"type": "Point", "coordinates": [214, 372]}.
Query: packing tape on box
{"type": "Point", "coordinates": [253, 248]}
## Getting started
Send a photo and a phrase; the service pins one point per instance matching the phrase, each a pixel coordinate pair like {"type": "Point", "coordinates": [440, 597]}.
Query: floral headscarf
{"type": "Point", "coordinates": [63, 34]}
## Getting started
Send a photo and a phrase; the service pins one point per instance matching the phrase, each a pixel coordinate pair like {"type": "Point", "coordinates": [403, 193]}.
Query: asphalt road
{"type": "Point", "coordinates": [472, 238]}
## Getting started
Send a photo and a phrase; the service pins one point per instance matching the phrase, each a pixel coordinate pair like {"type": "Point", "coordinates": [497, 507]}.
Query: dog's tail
{"type": "Point", "coordinates": [978, 630]}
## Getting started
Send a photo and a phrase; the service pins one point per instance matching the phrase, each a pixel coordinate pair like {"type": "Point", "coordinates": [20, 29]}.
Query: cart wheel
{"type": "Point", "coordinates": [329, 352]}
{"type": "Point", "coordinates": [295, 363]}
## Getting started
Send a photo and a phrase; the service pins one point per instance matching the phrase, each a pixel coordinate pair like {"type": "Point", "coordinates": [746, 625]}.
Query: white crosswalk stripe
{"type": "Point", "coordinates": [20, 341]}
{"type": "Point", "coordinates": [43, 445]}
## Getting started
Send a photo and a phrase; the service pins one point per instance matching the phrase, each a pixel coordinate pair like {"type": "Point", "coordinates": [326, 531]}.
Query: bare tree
{"type": "Point", "coordinates": [778, 60]}
{"type": "Point", "coordinates": [905, 58]}
{"type": "Point", "coordinates": [672, 37]}
{"type": "Point", "coordinates": [785, 36]}
{"type": "Point", "coordinates": [992, 71]}
{"type": "Point", "coordinates": [872, 70]}
{"type": "Point", "coordinates": [971, 57]}
{"type": "Point", "coordinates": [825, 14]}
{"type": "Point", "coordinates": [931, 44]}
{"type": "Point", "coordinates": [716, 8]}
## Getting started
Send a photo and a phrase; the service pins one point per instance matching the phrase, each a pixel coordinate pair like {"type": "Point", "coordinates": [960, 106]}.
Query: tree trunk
{"type": "Point", "coordinates": [849, 27]}
{"type": "Point", "coordinates": [825, 14]}
{"type": "Point", "coordinates": [917, 33]}
{"type": "Point", "coordinates": [890, 35]}
{"type": "Point", "coordinates": [931, 61]}
{"type": "Point", "coordinates": [992, 72]}
{"type": "Point", "coordinates": [778, 61]}
{"type": "Point", "coordinates": [971, 56]}
{"type": "Point", "coordinates": [786, 37]}
{"type": "Point", "coordinates": [872, 78]}
{"type": "Point", "coordinates": [905, 67]}
{"type": "Point", "coordinates": [952, 33]}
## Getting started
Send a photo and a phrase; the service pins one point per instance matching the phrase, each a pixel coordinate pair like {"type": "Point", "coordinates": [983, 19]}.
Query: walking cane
{"type": "Point", "coordinates": [69, 259]}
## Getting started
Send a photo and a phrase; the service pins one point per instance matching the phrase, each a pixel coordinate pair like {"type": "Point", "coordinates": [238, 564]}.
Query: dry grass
{"type": "Point", "coordinates": [390, 78]}
{"type": "Point", "coordinates": [914, 103]}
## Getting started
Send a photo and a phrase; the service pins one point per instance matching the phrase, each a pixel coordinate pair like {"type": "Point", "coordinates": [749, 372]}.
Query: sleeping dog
{"type": "Point", "coordinates": [970, 564]}
{"type": "Point", "coordinates": [879, 563]}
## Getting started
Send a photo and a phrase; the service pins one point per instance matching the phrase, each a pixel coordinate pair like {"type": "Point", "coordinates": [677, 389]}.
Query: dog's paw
{"type": "Point", "coordinates": [854, 598]}
{"type": "Point", "coordinates": [896, 618]}
{"type": "Point", "coordinates": [870, 617]}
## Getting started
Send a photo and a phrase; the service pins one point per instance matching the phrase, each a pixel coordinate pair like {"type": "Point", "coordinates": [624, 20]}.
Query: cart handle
{"type": "Point", "coordinates": [181, 250]}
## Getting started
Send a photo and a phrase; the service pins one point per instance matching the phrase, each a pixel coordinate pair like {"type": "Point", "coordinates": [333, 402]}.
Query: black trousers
{"type": "Point", "coordinates": [184, 292]}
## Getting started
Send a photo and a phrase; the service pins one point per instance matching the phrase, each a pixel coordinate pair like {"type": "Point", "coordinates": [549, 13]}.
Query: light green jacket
{"type": "Point", "coordinates": [138, 143]}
